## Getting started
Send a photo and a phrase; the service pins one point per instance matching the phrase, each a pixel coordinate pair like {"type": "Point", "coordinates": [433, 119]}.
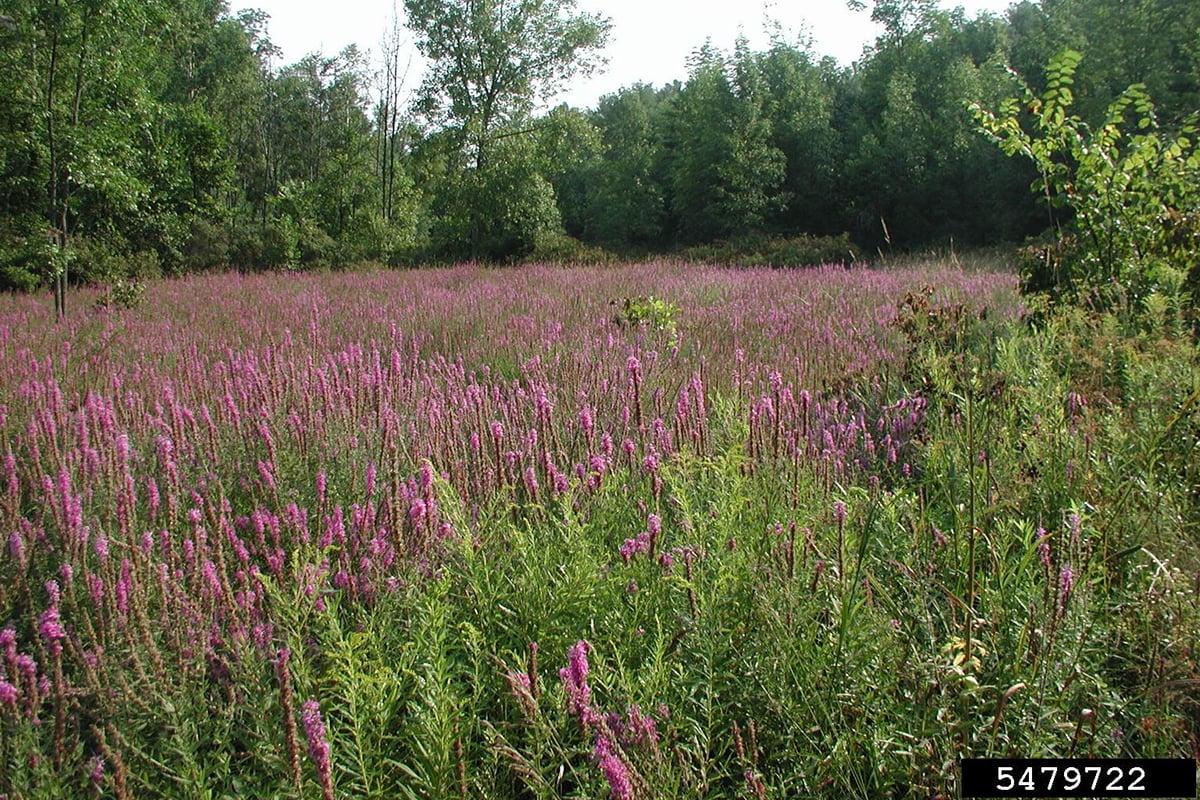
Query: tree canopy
{"type": "Point", "coordinates": [165, 136]}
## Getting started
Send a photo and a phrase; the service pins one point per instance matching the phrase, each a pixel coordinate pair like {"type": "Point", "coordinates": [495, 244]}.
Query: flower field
{"type": "Point", "coordinates": [643, 531]}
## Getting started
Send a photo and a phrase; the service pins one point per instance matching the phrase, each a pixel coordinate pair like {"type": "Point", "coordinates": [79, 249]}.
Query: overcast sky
{"type": "Point", "coordinates": [650, 40]}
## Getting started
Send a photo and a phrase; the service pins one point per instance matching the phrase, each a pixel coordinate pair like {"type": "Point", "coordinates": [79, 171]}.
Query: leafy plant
{"type": "Point", "coordinates": [648, 311]}
{"type": "Point", "coordinates": [776, 251]}
{"type": "Point", "coordinates": [1130, 191]}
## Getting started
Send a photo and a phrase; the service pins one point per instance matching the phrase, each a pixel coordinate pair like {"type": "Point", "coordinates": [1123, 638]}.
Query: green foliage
{"type": "Point", "coordinates": [489, 63]}
{"type": "Point", "coordinates": [727, 172]}
{"type": "Point", "coordinates": [649, 312]}
{"type": "Point", "coordinates": [1131, 191]}
{"type": "Point", "coordinates": [498, 212]}
{"type": "Point", "coordinates": [625, 203]}
{"type": "Point", "coordinates": [172, 129]}
{"type": "Point", "coordinates": [208, 246]}
{"type": "Point", "coordinates": [556, 247]}
{"type": "Point", "coordinates": [25, 254]}
{"type": "Point", "coordinates": [774, 251]}
{"type": "Point", "coordinates": [122, 294]}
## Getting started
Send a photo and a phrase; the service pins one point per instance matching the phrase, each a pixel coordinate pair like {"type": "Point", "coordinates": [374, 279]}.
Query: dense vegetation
{"type": "Point", "coordinates": [516, 533]}
{"type": "Point", "coordinates": [139, 137]}
{"type": "Point", "coordinates": [658, 530]}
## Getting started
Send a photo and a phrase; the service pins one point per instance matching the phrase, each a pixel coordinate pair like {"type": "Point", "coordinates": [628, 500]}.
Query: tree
{"type": "Point", "coordinates": [726, 172]}
{"type": "Point", "coordinates": [79, 67]}
{"type": "Point", "coordinates": [901, 19]}
{"type": "Point", "coordinates": [800, 104]}
{"type": "Point", "coordinates": [490, 61]}
{"type": "Point", "coordinates": [391, 122]}
{"type": "Point", "coordinates": [627, 204]}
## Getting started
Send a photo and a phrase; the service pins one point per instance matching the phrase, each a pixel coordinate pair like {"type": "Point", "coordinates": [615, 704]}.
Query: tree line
{"type": "Point", "coordinates": [140, 137]}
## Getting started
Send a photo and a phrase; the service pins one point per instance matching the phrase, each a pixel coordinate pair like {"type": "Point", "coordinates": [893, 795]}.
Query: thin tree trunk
{"type": "Point", "coordinates": [52, 207]}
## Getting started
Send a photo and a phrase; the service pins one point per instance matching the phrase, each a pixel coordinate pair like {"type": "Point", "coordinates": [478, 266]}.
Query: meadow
{"type": "Point", "coordinates": [641, 531]}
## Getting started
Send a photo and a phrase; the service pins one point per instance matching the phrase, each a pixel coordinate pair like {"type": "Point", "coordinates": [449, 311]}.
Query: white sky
{"type": "Point", "coordinates": [650, 39]}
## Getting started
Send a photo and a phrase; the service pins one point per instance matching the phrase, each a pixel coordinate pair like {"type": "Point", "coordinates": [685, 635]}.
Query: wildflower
{"type": "Point", "coordinates": [521, 689]}
{"type": "Point", "coordinates": [95, 588]}
{"type": "Point", "coordinates": [939, 538]}
{"type": "Point", "coordinates": [8, 641]}
{"type": "Point", "coordinates": [51, 629]}
{"type": "Point", "coordinates": [639, 729]}
{"type": "Point", "coordinates": [8, 694]}
{"type": "Point", "coordinates": [96, 771]}
{"type": "Point", "coordinates": [16, 548]}
{"type": "Point", "coordinates": [839, 512]}
{"type": "Point", "coordinates": [1043, 547]}
{"type": "Point", "coordinates": [574, 677]}
{"type": "Point", "coordinates": [1066, 582]}
{"type": "Point", "coordinates": [266, 473]}
{"type": "Point", "coordinates": [318, 745]}
{"type": "Point", "coordinates": [615, 772]}
{"type": "Point", "coordinates": [628, 549]}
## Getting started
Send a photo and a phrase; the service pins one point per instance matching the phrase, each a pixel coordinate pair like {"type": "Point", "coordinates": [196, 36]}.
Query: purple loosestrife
{"type": "Point", "coordinates": [96, 771]}
{"type": "Point", "coordinates": [638, 729]}
{"type": "Point", "coordinates": [8, 695]}
{"type": "Point", "coordinates": [1043, 546]}
{"type": "Point", "coordinates": [575, 682]}
{"type": "Point", "coordinates": [1066, 583]}
{"type": "Point", "coordinates": [616, 773]}
{"type": "Point", "coordinates": [16, 549]}
{"type": "Point", "coordinates": [521, 688]}
{"type": "Point", "coordinates": [318, 746]}
{"type": "Point", "coordinates": [289, 719]}
{"type": "Point", "coordinates": [51, 629]}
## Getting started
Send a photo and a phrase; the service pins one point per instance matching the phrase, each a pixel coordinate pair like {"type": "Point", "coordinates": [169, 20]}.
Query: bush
{"type": "Point", "coordinates": [208, 246]}
{"type": "Point", "coordinates": [1130, 189]}
{"type": "Point", "coordinates": [24, 263]}
{"type": "Point", "coordinates": [557, 247]}
{"type": "Point", "coordinates": [247, 247]}
{"type": "Point", "coordinates": [769, 251]}
{"type": "Point", "coordinates": [122, 293]}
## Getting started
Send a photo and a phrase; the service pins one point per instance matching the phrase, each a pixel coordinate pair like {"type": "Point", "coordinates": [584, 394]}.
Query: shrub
{"type": "Point", "coordinates": [208, 246]}
{"type": "Point", "coordinates": [766, 251]}
{"type": "Point", "coordinates": [24, 262]}
{"type": "Point", "coordinates": [557, 247]}
{"type": "Point", "coordinates": [1131, 190]}
{"type": "Point", "coordinates": [122, 293]}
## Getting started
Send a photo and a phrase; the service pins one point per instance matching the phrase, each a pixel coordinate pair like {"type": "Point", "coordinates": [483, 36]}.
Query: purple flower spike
{"type": "Point", "coordinates": [50, 627]}
{"type": "Point", "coordinates": [318, 745]}
{"type": "Point", "coordinates": [574, 677]}
{"type": "Point", "coordinates": [614, 769]}
{"type": "Point", "coordinates": [8, 694]}
{"type": "Point", "coordinates": [1066, 582]}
